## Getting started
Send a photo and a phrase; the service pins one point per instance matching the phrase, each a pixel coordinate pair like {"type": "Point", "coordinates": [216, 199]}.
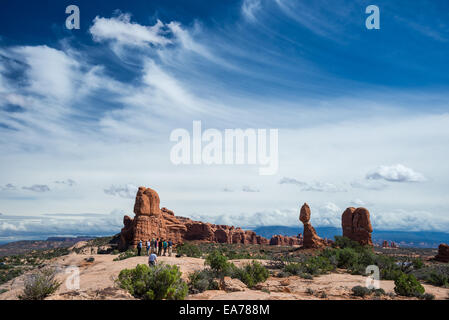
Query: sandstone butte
{"type": "Point", "coordinates": [356, 225]}
{"type": "Point", "coordinates": [150, 221]}
{"type": "Point", "coordinates": [443, 253]}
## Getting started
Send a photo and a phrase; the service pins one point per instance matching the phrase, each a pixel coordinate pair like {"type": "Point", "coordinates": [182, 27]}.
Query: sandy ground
{"type": "Point", "coordinates": [97, 282]}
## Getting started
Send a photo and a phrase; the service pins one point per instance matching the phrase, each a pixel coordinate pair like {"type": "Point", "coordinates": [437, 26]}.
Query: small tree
{"type": "Point", "coordinates": [218, 263]}
{"type": "Point", "coordinates": [40, 285]}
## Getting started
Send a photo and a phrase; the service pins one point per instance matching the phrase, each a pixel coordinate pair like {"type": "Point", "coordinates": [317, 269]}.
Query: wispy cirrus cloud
{"type": "Point", "coordinates": [313, 186]}
{"type": "Point", "coordinates": [37, 188]}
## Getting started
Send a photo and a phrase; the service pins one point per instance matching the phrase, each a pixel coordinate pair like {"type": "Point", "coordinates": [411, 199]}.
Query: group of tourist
{"type": "Point", "coordinates": [157, 247]}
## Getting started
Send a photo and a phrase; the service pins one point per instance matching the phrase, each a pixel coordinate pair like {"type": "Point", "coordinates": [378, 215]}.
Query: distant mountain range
{"type": "Point", "coordinates": [24, 246]}
{"type": "Point", "coordinates": [417, 239]}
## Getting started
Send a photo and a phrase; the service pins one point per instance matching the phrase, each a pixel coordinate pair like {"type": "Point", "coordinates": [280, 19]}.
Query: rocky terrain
{"type": "Point", "coordinates": [98, 273]}
{"type": "Point", "coordinates": [296, 267]}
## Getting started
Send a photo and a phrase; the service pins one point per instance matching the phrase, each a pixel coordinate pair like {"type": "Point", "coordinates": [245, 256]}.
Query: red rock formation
{"type": "Point", "coordinates": [443, 253]}
{"type": "Point", "coordinates": [311, 239]}
{"type": "Point", "coordinates": [356, 225]}
{"type": "Point", "coordinates": [278, 240]}
{"type": "Point", "coordinates": [152, 222]}
{"type": "Point", "coordinates": [385, 244]}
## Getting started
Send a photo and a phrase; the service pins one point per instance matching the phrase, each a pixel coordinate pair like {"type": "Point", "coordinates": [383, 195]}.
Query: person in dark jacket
{"type": "Point", "coordinates": [159, 247]}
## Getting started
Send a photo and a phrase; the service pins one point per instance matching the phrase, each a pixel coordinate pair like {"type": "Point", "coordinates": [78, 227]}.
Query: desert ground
{"type": "Point", "coordinates": [97, 282]}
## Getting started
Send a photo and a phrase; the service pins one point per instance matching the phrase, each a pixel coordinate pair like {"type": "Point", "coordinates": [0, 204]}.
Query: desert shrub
{"type": "Point", "coordinates": [427, 296]}
{"type": "Point", "coordinates": [438, 279]}
{"type": "Point", "coordinates": [189, 250]}
{"type": "Point", "coordinates": [3, 291]}
{"type": "Point", "coordinates": [127, 254]}
{"type": "Point", "coordinates": [317, 265]}
{"type": "Point", "coordinates": [90, 259]}
{"type": "Point", "coordinates": [40, 285]}
{"type": "Point", "coordinates": [153, 283]}
{"type": "Point", "coordinates": [202, 280]}
{"type": "Point", "coordinates": [10, 274]}
{"type": "Point", "coordinates": [251, 274]}
{"type": "Point", "coordinates": [293, 269]}
{"type": "Point", "coordinates": [346, 258]}
{"type": "Point", "coordinates": [360, 291]}
{"type": "Point", "coordinates": [437, 275]}
{"type": "Point", "coordinates": [218, 263]}
{"type": "Point", "coordinates": [306, 276]}
{"type": "Point", "coordinates": [417, 263]}
{"type": "Point", "coordinates": [344, 242]}
{"type": "Point", "coordinates": [407, 285]}
{"type": "Point", "coordinates": [312, 266]}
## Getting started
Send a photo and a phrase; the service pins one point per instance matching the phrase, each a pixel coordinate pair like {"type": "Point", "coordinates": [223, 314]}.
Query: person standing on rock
{"type": "Point", "coordinates": [153, 245]}
{"type": "Point", "coordinates": [159, 247]}
{"type": "Point", "coordinates": [165, 245]}
{"type": "Point", "coordinates": [170, 247]}
{"type": "Point", "coordinates": [139, 247]}
{"type": "Point", "coordinates": [152, 259]}
{"type": "Point", "coordinates": [148, 247]}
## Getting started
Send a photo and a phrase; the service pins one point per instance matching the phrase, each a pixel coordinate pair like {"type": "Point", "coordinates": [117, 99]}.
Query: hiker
{"type": "Point", "coordinates": [165, 245]}
{"type": "Point", "coordinates": [170, 247]}
{"type": "Point", "coordinates": [159, 247]}
{"type": "Point", "coordinates": [148, 247]}
{"type": "Point", "coordinates": [139, 247]}
{"type": "Point", "coordinates": [152, 259]}
{"type": "Point", "coordinates": [153, 245]}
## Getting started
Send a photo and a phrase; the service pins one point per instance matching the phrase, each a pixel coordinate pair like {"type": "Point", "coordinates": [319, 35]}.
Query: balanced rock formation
{"type": "Point", "coordinates": [356, 225]}
{"type": "Point", "coordinates": [152, 222]}
{"type": "Point", "coordinates": [443, 253]}
{"type": "Point", "coordinates": [311, 239]}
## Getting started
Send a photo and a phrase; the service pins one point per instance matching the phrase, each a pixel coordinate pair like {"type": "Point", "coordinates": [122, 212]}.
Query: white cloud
{"type": "Point", "coordinates": [395, 173]}
{"type": "Point", "coordinates": [120, 29]}
{"type": "Point", "coordinates": [250, 8]}
{"type": "Point", "coordinates": [369, 185]}
{"type": "Point", "coordinates": [127, 191]}
{"type": "Point", "coordinates": [313, 186]}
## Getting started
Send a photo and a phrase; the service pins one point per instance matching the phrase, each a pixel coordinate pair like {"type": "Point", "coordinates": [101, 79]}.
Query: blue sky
{"type": "Point", "coordinates": [85, 115]}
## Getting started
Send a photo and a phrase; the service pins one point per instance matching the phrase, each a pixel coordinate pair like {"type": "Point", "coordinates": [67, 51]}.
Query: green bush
{"type": "Point", "coordinates": [189, 250]}
{"type": "Point", "coordinates": [343, 242]}
{"type": "Point", "coordinates": [153, 283]}
{"type": "Point", "coordinates": [438, 279]}
{"type": "Point", "coordinates": [202, 280]}
{"type": "Point", "coordinates": [40, 285]}
{"type": "Point", "coordinates": [218, 263]}
{"type": "Point", "coordinates": [360, 291]}
{"type": "Point", "coordinates": [317, 265]}
{"type": "Point", "coordinates": [437, 275]}
{"type": "Point", "coordinates": [407, 285]}
{"type": "Point", "coordinates": [427, 296]}
{"type": "Point", "coordinates": [251, 274]}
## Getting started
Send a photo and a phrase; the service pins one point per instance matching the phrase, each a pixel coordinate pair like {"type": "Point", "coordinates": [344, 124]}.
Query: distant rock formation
{"type": "Point", "coordinates": [385, 244]}
{"type": "Point", "coordinates": [152, 222]}
{"type": "Point", "coordinates": [311, 239]}
{"type": "Point", "coordinates": [443, 253]}
{"type": "Point", "coordinates": [356, 225]}
{"type": "Point", "coordinates": [279, 240]}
